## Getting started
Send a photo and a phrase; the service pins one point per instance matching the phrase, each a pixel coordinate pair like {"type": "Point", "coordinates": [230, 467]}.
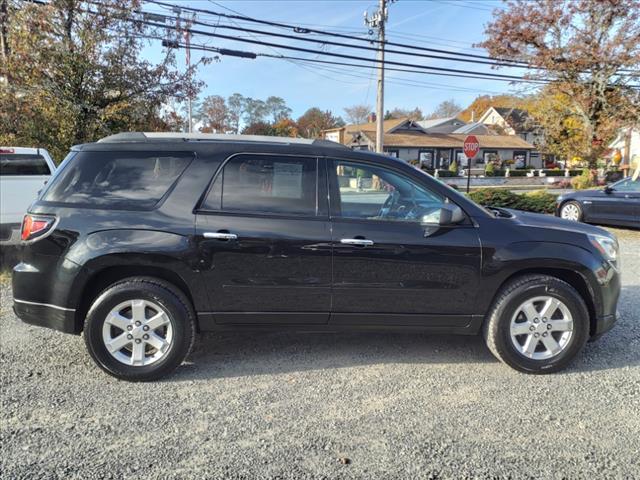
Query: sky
{"type": "Point", "coordinates": [446, 24]}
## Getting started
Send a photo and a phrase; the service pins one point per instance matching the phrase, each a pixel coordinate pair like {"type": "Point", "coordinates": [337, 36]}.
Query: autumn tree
{"type": "Point", "coordinates": [314, 120]}
{"type": "Point", "coordinates": [554, 113]}
{"type": "Point", "coordinates": [357, 113]}
{"type": "Point", "coordinates": [214, 114]}
{"type": "Point", "coordinates": [588, 49]}
{"type": "Point", "coordinates": [482, 103]}
{"type": "Point", "coordinates": [70, 76]}
{"type": "Point", "coordinates": [448, 108]}
{"type": "Point", "coordinates": [285, 128]}
{"type": "Point", "coordinates": [258, 128]}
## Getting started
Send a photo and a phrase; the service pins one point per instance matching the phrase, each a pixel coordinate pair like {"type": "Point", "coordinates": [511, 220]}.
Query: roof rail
{"type": "Point", "coordinates": [128, 137]}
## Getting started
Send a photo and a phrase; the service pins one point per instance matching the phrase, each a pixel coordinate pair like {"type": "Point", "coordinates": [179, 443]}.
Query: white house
{"type": "Point", "coordinates": [628, 142]}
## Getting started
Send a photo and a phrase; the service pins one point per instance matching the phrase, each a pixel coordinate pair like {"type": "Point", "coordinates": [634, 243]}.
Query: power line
{"type": "Point", "coordinates": [485, 75]}
{"type": "Point", "coordinates": [297, 29]}
{"type": "Point", "coordinates": [423, 68]}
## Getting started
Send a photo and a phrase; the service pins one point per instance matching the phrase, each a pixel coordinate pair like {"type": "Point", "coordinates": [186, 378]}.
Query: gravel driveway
{"type": "Point", "coordinates": [324, 406]}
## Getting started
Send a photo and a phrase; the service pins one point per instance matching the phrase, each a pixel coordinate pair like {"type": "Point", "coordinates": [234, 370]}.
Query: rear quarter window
{"type": "Point", "coordinates": [14, 164]}
{"type": "Point", "coordinates": [122, 180]}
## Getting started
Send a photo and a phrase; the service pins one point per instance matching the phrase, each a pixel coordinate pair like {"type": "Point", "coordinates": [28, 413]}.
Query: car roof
{"type": "Point", "coordinates": [153, 137]}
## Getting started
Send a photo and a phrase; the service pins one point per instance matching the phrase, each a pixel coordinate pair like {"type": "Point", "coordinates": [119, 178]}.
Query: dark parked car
{"type": "Point", "coordinates": [616, 204]}
{"type": "Point", "coordinates": [141, 240]}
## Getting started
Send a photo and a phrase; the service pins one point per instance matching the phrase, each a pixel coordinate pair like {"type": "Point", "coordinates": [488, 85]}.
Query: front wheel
{"type": "Point", "coordinates": [537, 324]}
{"type": "Point", "coordinates": [140, 329]}
{"type": "Point", "coordinates": [571, 211]}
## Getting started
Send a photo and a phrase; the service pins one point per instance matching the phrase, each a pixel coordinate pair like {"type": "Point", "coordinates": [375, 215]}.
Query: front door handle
{"type": "Point", "coordinates": [220, 235]}
{"type": "Point", "coordinates": [361, 242]}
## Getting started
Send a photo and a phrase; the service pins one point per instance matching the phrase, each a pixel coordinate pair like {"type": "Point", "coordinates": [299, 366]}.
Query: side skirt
{"type": "Point", "coordinates": [311, 322]}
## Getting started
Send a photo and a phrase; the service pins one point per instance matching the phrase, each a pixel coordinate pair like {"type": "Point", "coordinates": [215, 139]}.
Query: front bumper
{"type": "Point", "coordinates": [45, 315]}
{"type": "Point", "coordinates": [603, 325]}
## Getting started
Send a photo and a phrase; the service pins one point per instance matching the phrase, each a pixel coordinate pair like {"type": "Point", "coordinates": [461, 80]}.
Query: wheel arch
{"type": "Point", "coordinates": [99, 280]}
{"type": "Point", "coordinates": [572, 277]}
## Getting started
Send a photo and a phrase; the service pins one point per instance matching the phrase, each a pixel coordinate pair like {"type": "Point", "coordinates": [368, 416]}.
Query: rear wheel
{"type": "Point", "coordinates": [571, 211]}
{"type": "Point", "coordinates": [140, 329]}
{"type": "Point", "coordinates": [537, 324]}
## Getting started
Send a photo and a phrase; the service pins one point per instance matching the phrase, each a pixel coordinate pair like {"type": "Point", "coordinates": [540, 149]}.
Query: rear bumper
{"type": "Point", "coordinates": [44, 315]}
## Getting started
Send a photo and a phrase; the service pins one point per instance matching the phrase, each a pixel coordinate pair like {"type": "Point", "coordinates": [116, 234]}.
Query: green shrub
{"type": "Point", "coordinates": [490, 169]}
{"type": "Point", "coordinates": [557, 172]}
{"type": "Point", "coordinates": [538, 201]}
{"type": "Point", "coordinates": [495, 197]}
{"type": "Point", "coordinates": [441, 173]}
{"type": "Point", "coordinates": [453, 168]}
{"type": "Point", "coordinates": [584, 180]}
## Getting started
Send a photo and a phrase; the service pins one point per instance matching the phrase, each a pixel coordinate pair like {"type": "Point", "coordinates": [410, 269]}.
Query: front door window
{"type": "Point", "coordinates": [369, 192]}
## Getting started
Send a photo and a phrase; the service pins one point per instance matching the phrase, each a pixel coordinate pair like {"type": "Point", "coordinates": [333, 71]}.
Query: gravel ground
{"type": "Point", "coordinates": [324, 406]}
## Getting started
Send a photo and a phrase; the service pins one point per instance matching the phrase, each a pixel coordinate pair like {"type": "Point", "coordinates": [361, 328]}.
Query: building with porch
{"type": "Point", "coordinates": [410, 141]}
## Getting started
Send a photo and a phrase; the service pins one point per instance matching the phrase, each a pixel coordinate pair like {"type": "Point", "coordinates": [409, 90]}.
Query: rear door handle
{"type": "Point", "coordinates": [220, 235]}
{"type": "Point", "coordinates": [357, 241]}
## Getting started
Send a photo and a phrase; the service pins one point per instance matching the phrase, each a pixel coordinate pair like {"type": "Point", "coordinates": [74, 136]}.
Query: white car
{"type": "Point", "coordinates": [23, 173]}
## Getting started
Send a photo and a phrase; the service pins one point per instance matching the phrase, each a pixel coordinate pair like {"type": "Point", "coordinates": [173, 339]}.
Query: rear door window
{"type": "Point", "coordinates": [124, 180]}
{"type": "Point", "coordinates": [266, 184]}
{"type": "Point", "coordinates": [23, 164]}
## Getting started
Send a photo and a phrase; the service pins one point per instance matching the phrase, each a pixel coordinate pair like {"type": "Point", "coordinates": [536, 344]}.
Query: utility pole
{"type": "Point", "coordinates": [187, 40]}
{"type": "Point", "coordinates": [377, 20]}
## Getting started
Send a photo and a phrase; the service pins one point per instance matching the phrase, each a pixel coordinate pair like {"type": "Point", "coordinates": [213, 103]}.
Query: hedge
{"type": "Point", "coordinates": [537, 201]}
{"type": "Point", "coordinates": [441, 173]}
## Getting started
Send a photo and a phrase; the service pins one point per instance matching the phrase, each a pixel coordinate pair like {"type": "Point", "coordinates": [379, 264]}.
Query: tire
{"type": "Point", "coordinates": [152, 298]}
{"type": "Point", "coordinates": [571, 211]}
{"type": "Point", "coordinates": [506, 317]}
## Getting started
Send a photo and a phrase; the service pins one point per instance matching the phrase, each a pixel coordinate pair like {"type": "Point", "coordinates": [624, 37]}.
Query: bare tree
{"type": "Point", "coordinates": [448, 108]}
{"type": "Point", "coordinates": [357, 113]}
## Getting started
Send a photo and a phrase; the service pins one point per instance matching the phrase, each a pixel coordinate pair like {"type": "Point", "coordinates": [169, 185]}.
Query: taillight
{"type": "Point", "coordinates": [34, 226]}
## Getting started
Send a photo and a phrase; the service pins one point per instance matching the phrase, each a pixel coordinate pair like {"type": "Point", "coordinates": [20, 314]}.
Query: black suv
{"type": "Point", "coordinates": [141, 240]}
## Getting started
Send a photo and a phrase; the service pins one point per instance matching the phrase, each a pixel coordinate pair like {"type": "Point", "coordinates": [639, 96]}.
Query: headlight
{"type": "Point", "coordinates": [607, 246]}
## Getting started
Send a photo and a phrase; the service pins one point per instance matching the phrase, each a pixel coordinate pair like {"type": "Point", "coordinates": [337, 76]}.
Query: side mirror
{"type": "Point", "coordinates": [609, 189]}
{"type": "Point", "coordinates": [447, 214]}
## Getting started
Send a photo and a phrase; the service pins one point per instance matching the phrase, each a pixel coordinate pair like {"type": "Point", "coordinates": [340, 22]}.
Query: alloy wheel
{"type": "Point", "coordinates": [570, 211]}
{"type": "Point", "coordinates": [541, 328]}
{"type": "Point", "coordinates": [137, 332]}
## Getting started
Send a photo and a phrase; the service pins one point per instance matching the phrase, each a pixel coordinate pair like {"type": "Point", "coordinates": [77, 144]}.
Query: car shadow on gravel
{"type": "Point", "coordinates": [232, 354]}
{"type": "Point", "coordinates": [222, 355]}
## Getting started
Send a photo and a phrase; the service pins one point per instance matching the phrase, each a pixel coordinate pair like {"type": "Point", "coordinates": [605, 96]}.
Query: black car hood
{"type": "Point", "coordinates": [539, 220]}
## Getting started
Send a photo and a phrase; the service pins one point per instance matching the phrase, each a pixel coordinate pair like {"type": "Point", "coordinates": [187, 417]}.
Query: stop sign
{"type": "Point", "coordinates": [471, 146]}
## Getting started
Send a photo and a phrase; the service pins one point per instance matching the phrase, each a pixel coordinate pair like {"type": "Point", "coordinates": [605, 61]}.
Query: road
{"type": "Point", "coordinates": [324, 406]}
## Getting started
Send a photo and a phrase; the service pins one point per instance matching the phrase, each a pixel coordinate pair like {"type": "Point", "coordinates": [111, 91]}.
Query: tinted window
{"type": "Point", "coordinates": [23, 164]}
{"type": "Point", "coordinates": [374, 193]}
{"type": "Point", "coordinates": [627, 185]}
{"type": "Point", "coordinates": [128, 180]}
{"type": "Point", "coordinates": [266, 184]}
